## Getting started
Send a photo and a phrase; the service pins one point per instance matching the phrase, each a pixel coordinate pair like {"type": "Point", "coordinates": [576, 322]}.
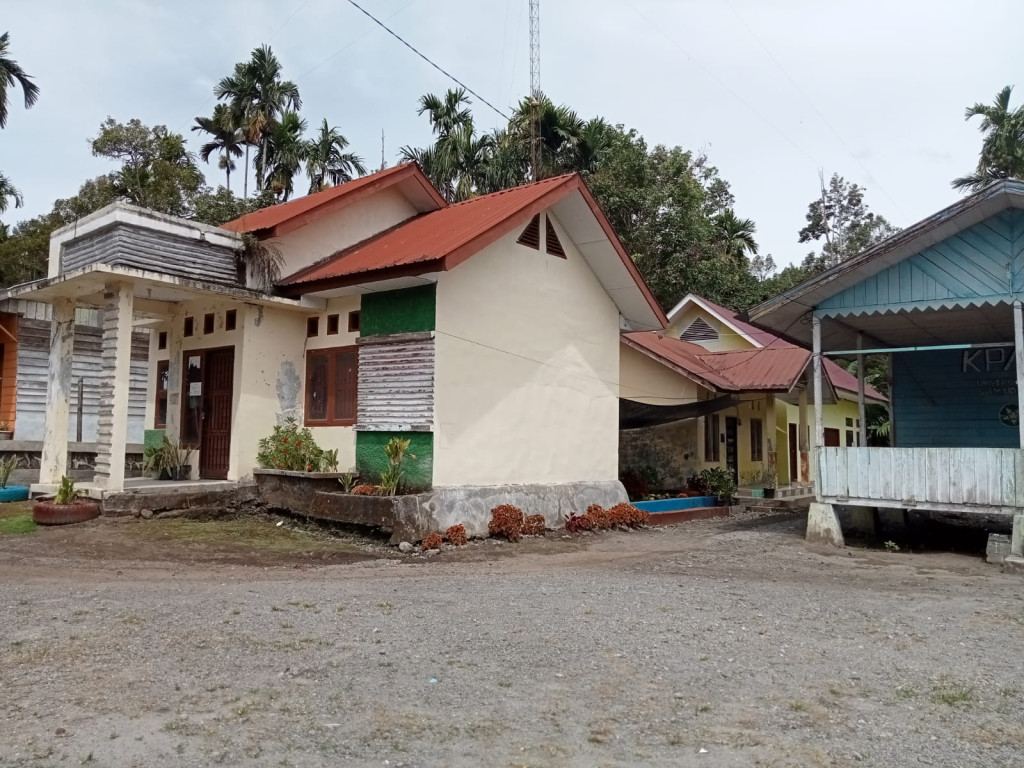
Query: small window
{"type": "Point", "coordinates": [849, 421]}
{"type": "Point", "coordinates": [332, 379]}
{"type": "Point", "coordinates": [756, 440]}
{"type": "Point", "coordinates": [531, 235]}
{"type": "Point", "coordinates": [190, 326]}
{"type": "Point", "coordinates": [712, 452]}
{"type": "Point", "coordinates": [312, 327]}
{"type": "Point", "coordinates": [161, 340]}
{"type": "Point", "coordinates": [162, 384]}
{"type": "Point", "coordinates": [850, 442]}
{"type": "Point", "coordinates": [231, 320]}
{"type": "Point", "coordinates": [551, 241]}
{"type": "Point", "coordinates": [333, 324]}
{"type": "Point", "coordinates": [699, 330]}
{"type": "Point", "coordinates": [353, 321]}
{"type": "Point", "coordinates": [208, 320]}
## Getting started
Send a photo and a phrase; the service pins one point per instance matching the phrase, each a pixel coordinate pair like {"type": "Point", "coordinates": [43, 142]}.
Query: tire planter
{"type": "Point", "coordinates": [48, 513]}
{"type": "Point", "coordinates": [14, 493]}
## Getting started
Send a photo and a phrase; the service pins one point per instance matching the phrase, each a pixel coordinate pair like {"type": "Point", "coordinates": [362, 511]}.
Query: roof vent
{"type": "Point", "coordinates": [531, 235]}
{"type": "Point", "coordinates": [699, 330]}
{"type": "Point", "coordinates": [551, 241]}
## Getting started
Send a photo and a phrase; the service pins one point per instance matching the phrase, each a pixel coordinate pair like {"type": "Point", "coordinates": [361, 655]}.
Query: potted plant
{"type": "Point", "coordinates": [153, 462]}
{"type": "Point", "coordinates": [11, 492]}
{"type": "Point", "coordinates": [175, 459]}
{"type": "Point", "coordinates": [719, 482]}
{"type": "Point", "coordinates": [769, 480]}
{"type": "Point", "coordinates": [6, 430]}
{"type": "Point", "coordinates": [65, 507]}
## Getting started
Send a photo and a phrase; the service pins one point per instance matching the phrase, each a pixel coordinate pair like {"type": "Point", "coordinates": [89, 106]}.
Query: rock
{"type": "Point", "coordinates": [146, 514]}
{"type": "Point", "coordinates": [431, 552]}
{"type": "Point", "coordinates": [405, 547]}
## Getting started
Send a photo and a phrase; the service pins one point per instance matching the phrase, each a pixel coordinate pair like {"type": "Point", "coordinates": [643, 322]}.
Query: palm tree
{"type": "Point", "coordinates": [446, 114]}
{"type": "Point", "coordinates": [283, 153]}
{"type": "Point", "coordinates": [258, 96]}
{"type": "Point", "coordinates": [1002, 150]}
{"type": "Point", "coordinates": [327, 162]}
{"type": "Point", "coordinates": [8, 190]}
{"type": "Point", "coordinates": [12, 74]}
{"type": "Point", "coordinates": [228, 139]}
{"type": "Point", "coordinates": [736, 235]}
{"type": "Point", "coordinates": [558, 130]}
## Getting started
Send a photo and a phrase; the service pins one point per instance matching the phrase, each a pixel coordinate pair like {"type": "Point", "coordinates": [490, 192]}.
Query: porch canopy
{"type": "Point", "coordinates": [942, 299]}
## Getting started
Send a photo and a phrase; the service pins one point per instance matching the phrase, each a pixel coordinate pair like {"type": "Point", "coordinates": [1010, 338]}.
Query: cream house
{"type": "Point", "coordinates": [713, 390]}
{"type": "Point", "coordinates": [487, 332]}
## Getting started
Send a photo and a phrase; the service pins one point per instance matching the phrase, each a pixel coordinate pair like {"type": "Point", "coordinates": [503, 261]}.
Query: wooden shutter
{"type": "Point", "coordinates": [346, 384]}
{"type": "Point", "coordinates": [531, 235]}
{"type": "Point", "coordinates": [551, 242]}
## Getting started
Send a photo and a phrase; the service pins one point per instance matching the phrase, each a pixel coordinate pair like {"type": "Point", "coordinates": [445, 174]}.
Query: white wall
{"type": "Point", "coordinates": [527, 370]}
{"type": "Point", "coordinates": [333, 232]}
{"type": "Point", "coordinates": [648, 381]}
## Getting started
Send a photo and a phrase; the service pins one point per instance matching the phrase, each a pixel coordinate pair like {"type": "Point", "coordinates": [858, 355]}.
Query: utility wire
{"type": "Point", "coordinates": [818, 112]}
{"type": "Point", "coordinates": [444, 72]}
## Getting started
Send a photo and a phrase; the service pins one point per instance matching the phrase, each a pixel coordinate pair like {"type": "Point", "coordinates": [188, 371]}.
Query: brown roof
{"type": "Point", "coordinates": [305, 208]}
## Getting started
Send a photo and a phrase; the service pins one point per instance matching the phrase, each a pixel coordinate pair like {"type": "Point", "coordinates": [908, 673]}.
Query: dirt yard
{"type": "Point", "coordinates": [724, 642]}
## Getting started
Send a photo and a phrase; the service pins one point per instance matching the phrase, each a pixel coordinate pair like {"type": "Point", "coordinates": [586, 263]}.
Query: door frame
{"type": "Point", "coordinates": [732, 427]}
{"type": "Point", "coordinates": [794, 456]}
{"type": "Point", "coordinates": [202, 352]}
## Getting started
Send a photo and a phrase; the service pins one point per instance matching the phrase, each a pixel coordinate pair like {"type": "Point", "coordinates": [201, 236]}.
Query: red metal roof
{"type": "Point", "coordinates": [275, 215]}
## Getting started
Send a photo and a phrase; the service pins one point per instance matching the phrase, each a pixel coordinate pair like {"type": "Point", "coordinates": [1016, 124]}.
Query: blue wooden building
{"type": "Point", "coordinates": [943, 300]}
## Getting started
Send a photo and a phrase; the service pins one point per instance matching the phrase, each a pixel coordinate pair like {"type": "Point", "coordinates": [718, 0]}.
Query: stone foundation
{"type": "Point", "coordinates": [81, 460]}
{"type": "Point", "coordinates": [670, 448]}
{"type": "Point", "coordinates": [195, 501]}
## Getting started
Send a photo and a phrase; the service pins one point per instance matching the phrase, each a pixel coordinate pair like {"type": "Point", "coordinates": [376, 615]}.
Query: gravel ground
{"type": "Point", "coordinates": [717, 643]}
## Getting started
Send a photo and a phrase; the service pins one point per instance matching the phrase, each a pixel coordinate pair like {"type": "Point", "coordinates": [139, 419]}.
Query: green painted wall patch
{"type": "Point", "coordinates": [406, 311]}
{"type": "Point", "coordinates": [417, 474]}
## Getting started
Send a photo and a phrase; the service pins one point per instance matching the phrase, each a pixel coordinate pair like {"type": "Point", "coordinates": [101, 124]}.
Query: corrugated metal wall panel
{"type": "Point", "coordinates": [396, 385]}
{"type": "Point", "coordinates": [33, 365]}
{"type": "Point", "coordinates": [139, 248]}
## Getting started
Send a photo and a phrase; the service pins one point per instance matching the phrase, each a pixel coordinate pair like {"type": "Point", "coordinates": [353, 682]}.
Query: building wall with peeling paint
{"type": "Point", "coordinates": [527, 374]}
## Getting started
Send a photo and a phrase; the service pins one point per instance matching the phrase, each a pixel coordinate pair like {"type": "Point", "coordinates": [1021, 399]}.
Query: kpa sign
{"type": "Point", "coordinates": [991, 360]}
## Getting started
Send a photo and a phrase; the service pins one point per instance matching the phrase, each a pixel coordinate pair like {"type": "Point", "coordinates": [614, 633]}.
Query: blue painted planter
{"type": "Point", "coordinates": [14, 493]}
{"type": "Point", "coordinates": [674, 505]}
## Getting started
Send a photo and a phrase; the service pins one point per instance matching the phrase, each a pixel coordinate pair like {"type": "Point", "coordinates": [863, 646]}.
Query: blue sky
{"type": "Point", "coordinates": [772, 91]}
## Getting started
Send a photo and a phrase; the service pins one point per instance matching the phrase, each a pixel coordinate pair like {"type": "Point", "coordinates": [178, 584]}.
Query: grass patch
{"type": "Point", "coordinates": [953, 695]}
{"type": "Point", "coordinates": [257, 533]}
{"type": "Point", "coordinates": [16, 519]}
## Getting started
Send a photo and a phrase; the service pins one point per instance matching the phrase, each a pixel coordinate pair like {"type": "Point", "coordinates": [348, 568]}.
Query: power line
{"type": "Point", "coordinates": [818, 112]}
{"type": "Point", "coordinates": [444, 72]}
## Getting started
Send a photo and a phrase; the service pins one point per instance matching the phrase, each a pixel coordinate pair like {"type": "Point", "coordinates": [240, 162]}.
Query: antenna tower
{"type": "Point", "coordinates": [535, 94]}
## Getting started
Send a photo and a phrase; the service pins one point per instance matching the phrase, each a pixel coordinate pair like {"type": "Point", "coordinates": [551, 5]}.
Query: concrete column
{"type": "Point", "coordinates": [823, 525]}
{"type": "Point", "coordinates": [112, 430]}
{"type": "Point", "coordinates": [58, 392]}
{"type": "Point", "coordinates": [861, 409]}
{"type": "Point", "coordinates": [819, 415]}
{"type": "Point", "coordinates": [801, 436]}
{"type": "Point", "coordinates": [1018, 346]}
{"type": "Point", "coordinates": [771, 456]}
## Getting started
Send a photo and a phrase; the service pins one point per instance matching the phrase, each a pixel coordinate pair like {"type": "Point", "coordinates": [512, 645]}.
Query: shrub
{"type": "Point", "coordinates": [292, 448]}
{"type": "Point", "coordinates": [628, 515]}
{"type": "Point", "coordinates": [66, 492]}
{"type": "Point", "coordinates": [600, 517]}
{"type": "Point", "coordinates": [506, 521]}
{"type": "Point", "coordinates": [634, 483]}
{"type": "Point", "coordinates": [7, 466]}
{"type": "Point", "coordinates": [576, 523]}
{"type": "Point", "coordinates": [397, 451]}
{"type": "Point", "coordinates": [718, 481]}
{"type": "Point", "coordinates": [365, 490]}
{"type": "Point", "coordinates": [433, 541]}
{"type": "Point", "coordinates": [456, 535]}
{"type": "Point", "coordinates": [534, 526]}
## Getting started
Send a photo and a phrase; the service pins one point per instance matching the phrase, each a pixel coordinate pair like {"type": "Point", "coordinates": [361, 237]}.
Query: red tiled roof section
{"type": "Point", "coordinates": [848, 382]}
{"type": "Point", "coordinates": [436, 236]}
{"type": "Point", "coordinates": [274, 215]}
{"type": "Point", "coordinates": [682, 354]}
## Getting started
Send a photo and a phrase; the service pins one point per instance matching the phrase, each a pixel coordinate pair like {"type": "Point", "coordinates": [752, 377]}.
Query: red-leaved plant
{"type": "Point", "coordinates": [534, 526]}
{"type": "Point", "coordinates": [456, 535]}
{"type": "Point", "coordinates": [433, 541]}
{"type": "Point", "coordinates": [365, 490]}
{"type": "Point", "coordinates": [575, 523]}
{"type": "Point", "coordinates": [506, 521]}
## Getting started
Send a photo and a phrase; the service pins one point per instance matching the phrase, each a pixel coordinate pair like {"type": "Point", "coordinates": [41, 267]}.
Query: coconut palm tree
{"type": "Point", "coordinates": [1002, 149]}
{"type": "Point", "coordinates": [12, 74]}
{"type": "Point", "coordinates": [558, 131]}
{"type": "Point", "coordinates": [8, 190]}
{"type": "Point", "coordinates": [446, 114]}
{"type": "Point", "coordinates": [283, 153]}
{"type": "Point", "coordinates": [257, 96]}
{"type": "Point", "coordinates": [228, 139]}
{"type": "Point", "coordinates": [327, 162]}
{"type": "Point", "coordinates": [736, 235]}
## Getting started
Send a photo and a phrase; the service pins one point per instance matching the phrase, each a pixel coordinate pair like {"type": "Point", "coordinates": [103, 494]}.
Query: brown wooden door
{"type": "Point", "coordinates": [218, 382]}
{"type": "Point", "coordinates": [794, 458]}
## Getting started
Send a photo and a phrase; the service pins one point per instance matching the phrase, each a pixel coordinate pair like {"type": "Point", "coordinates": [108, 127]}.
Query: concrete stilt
{"type": "Point", "coordinates": [863, 521]}
{"type": "Point", "coordinates": [1015, 560]}
{"type": "Point", "coordinates": [823, 525]}
{"type": "Point", "coordinates": [54, 461]}
{"type": "Point", "coordinates": [112, 429]}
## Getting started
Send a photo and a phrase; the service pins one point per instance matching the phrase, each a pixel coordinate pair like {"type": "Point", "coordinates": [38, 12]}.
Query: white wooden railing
{"type": "Point", "coordinates": [944, 479]}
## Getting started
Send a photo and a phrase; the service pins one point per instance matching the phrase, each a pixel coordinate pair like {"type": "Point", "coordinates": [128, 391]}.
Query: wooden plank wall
{"type": "Point", "coordinates": [396, 384]}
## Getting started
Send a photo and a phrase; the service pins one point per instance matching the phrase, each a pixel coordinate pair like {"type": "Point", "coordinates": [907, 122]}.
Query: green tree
{"type": "Point", "coordinates": [736, 235]}
{"type": "Point", "coordinates": [223, 205]}
{"type": "Point", "coordinates": [227, 140]}
{"type": "Point", "coordinates": [282, 154]}
{"type": "Point", "coordinates": [841, 218]}
{"type": "Point", "coordinates": [11, 74]}
{"type": "Point", "coordinates": [258, 97]}
{"type": "Point", "coordinates": [156, 172]}
{"type": "Point", "coordinates": [558, 131]}
{"type": "Point", "coordinates": [327, 162]}
{"type": "Point", "coordinates": [1002, 149]}
{"type": "Point", "coordinates": [8, 192]}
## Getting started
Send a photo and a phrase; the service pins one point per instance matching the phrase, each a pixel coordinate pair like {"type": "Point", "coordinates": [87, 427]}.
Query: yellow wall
{"type": "Point", "coordinates": [728, 339]}
{"type": "Point", "coordinates": [647, 381]}
{"type": "Point", "coordinates": [527, 379]}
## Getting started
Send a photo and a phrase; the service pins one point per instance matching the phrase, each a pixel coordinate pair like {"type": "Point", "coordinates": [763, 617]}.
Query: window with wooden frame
{"type": "Point", "coordinates": [332, 381]}
{"type": "Point", "coordinates": [231, 320]}
{"type": "Point", "coordinates": [712, 452]}
{"type": "Point", "coordinates": [756, 440]}
{"type": "Point", "coordinates": [353, 321]}
{"type": "Point", "coordinates": [163, 383]}
{"type": "Point", "coordinates": [333, 325]}
{"type": "Point", "coordinates": [190, 326]}
{"type": "Point", "coordinates": [208, 321]}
